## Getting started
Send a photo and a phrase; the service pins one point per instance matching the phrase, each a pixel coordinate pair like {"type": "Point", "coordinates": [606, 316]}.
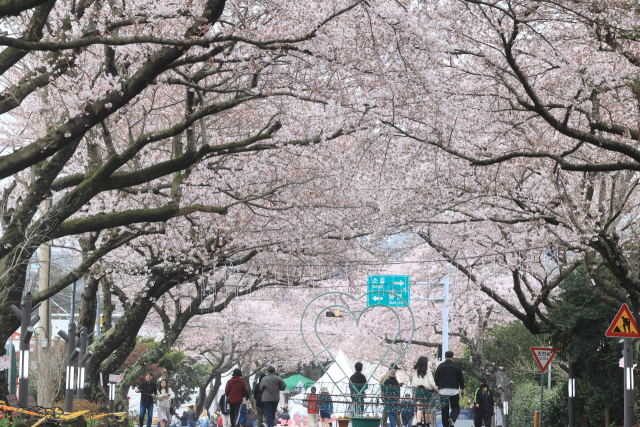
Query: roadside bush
{"type": "Point", "coordinates": [526, 401]}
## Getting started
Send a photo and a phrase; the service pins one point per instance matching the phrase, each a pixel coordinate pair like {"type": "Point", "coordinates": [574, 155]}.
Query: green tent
{"type": "Point", "coordinates": [293, 381]}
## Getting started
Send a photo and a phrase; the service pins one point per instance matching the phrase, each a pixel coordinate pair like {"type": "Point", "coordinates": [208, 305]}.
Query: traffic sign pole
{"type": "Point", "coordinates": [543, 356]}
{"type": "Point", "coordinates": [572, 395]}
{"type": "Point", "coordinates": [624, 326]}
{"type": "Point", "coordinates": [542, 396]}
{"type": "Point", "coordinates": [628, 382]}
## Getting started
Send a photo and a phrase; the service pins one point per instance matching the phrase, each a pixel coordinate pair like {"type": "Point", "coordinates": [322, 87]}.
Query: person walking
{"type": "Point", "coordinates": [235, 390]}
{"type": "Point", "coordinates": [284, 415]}
{"type": "Point", "coordinates": [192, 417]}
{"type": "Point", "coordinates": [183, 419]}
{"type": "Point", "coordinates": [215, 417]}
{"type": "Point", "coordinates": [423, 386]}
{"type": "Point", "coordinates": [483, 405]}
{"type": "Point", "coordinates": [325, 405]}
{"type": "Point", "coordinates": [257, 395]}
{"type": "Point", "coordinates": [164, 404]}
{"type": "Point", "coordinates": [203, 421]}
{"type": "Point", "coordinates": [223, 406]}
{"type": "Point", "coordinates": [357, 387]}
{"type": "Point", "coordinates": [312, 408]}
{"type": "Point", "coordinates": [243, 415]}
{"type": "Point", "coordinates": [450, 381]}
{"type": "Point", "coordinates": [148, 391]}
{"type": "Point", "coordinates": [271, 386]}
{"type": "Point", "coordinates": [390, 394]}
{"type": "Point", "coordinates": [407, 411]}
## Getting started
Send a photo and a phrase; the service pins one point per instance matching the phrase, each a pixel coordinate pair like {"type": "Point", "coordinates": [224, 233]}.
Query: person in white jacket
{"type": "Point", "coordinates": [164, 404]}
{"type": "Point", "coordinates": [423, 386]}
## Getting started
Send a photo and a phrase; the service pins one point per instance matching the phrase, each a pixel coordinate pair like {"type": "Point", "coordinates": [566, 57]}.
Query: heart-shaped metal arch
{"type": "Point", "coordinates": [357, 319]}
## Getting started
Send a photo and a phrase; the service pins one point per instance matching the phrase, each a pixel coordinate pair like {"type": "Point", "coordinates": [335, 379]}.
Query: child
{"type": "Point", "coordinates": [407, 411]}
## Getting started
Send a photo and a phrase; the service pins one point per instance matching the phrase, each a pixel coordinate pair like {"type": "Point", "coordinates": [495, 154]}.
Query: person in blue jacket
{"type": "Point", "coordinates": [325, 404]}
{"type": "Point", "coordinates": [483, 405]}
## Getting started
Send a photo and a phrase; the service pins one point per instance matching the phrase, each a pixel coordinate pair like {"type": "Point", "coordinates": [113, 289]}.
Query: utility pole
{"type": "Point", "coordinates": [98, 325]}
{"type": "Point", "coordinates": [44, 278]}
{"type": "Point", "coordinates": [445, 316]}
{"type": "Point", "coordinates": [27, 324]}
{"type": "Point", "coordinates": [72, 353]}
{"type": "Point", "coordinates": [445, 311]}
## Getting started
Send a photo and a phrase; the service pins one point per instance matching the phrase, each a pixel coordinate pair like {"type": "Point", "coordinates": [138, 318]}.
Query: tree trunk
{"type": "Point", "coordinates": [213, 392]}
{"type": "Point", "coordinates": [607, 415]}
{"type": "Point", "coordinates": [202, 391]}
{"type": "Point", "coordinates": [87, 316]}
{"type": "Point", "coordinates": [108, 307]}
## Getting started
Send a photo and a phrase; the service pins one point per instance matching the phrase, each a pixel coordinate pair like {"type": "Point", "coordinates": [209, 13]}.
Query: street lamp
{"type": "Point", "coordinates": [27, 324]}
{"type": "Point", "coordinates": [83, 356]}
{"type": "Point", "coordinates": [112, 398]}
{"type": "Point", "coordinates": [72, 353]}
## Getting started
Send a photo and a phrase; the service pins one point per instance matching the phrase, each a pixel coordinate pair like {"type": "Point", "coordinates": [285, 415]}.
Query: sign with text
{"type": "Point", "coordinates": [543, 356]}
{"type": "Point", "coordinates": [398, 285]}
{"type": "Point", "coordinates": [113, 378]}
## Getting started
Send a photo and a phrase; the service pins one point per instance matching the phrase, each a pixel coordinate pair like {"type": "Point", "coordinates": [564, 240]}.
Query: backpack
{"type": "Point", "coordinates": [223, 405]}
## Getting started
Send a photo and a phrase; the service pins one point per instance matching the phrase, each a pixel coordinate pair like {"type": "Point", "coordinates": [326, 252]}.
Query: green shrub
{"type": "Point", "coordinates": [526, 401]}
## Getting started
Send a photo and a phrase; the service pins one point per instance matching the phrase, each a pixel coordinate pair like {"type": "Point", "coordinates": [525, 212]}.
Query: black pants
{"type": "Point", "coordinates": [235, 411]}
{"type": "Point", "coordinates": [477, 420]}
{"type": "Point", "coordinates": [454, 401]}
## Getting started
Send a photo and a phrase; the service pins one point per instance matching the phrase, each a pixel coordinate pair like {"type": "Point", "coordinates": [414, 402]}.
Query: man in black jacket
{"type": "Point", "coordinates": [483, 405]}
{"type": "Point", "coordinates": [450, 381]}
{"type": "Point", "coordinates": [257, 394]}
{"type": "Point", "coordinates": [148, 391]}
{"type": "Point", "coordinates": [357, 386]}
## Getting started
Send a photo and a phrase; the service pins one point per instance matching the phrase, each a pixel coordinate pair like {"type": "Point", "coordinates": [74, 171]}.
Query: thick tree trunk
{"type": "Point", "coordinates": [88, 304]}
{"type": "Point", "coordinates": [202, 391]}
{"type": "Point", "coordinates": [213, 392]}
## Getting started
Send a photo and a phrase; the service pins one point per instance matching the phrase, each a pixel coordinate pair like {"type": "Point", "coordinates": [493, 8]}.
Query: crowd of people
{"type": "Point", "coordinates": [442, 389]}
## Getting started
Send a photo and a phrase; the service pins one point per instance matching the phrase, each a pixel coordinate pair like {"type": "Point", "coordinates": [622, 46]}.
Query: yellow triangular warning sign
{"type": "Point", "coordinates": [624, 325]}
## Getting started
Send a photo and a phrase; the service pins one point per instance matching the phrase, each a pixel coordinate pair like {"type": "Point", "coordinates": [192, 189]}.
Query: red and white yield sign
{"type": "Point", "coordinates": [543, 356]}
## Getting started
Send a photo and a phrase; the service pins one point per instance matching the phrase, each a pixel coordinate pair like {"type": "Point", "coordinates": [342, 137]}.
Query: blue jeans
{"type": "Point", "coordinates": [191, 424]}
{"type": "Point", "coordinates": [407, 421]}
{"type": "Point", "coordinates": [148, 407]}
{"type": "Point", "coordinates": [270, 409]}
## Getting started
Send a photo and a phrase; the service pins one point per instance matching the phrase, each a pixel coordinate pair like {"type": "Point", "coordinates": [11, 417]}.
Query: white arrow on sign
{"type": "Point", "coordinates": [377, 298]}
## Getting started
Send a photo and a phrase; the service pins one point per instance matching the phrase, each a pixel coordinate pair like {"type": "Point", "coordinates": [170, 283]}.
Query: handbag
{"type": "Point", "coordinates": [172, 409]}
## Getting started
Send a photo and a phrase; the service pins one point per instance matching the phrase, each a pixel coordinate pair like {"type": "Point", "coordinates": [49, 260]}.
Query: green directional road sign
{"type": "Point", "coordinates": [397, 284]}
